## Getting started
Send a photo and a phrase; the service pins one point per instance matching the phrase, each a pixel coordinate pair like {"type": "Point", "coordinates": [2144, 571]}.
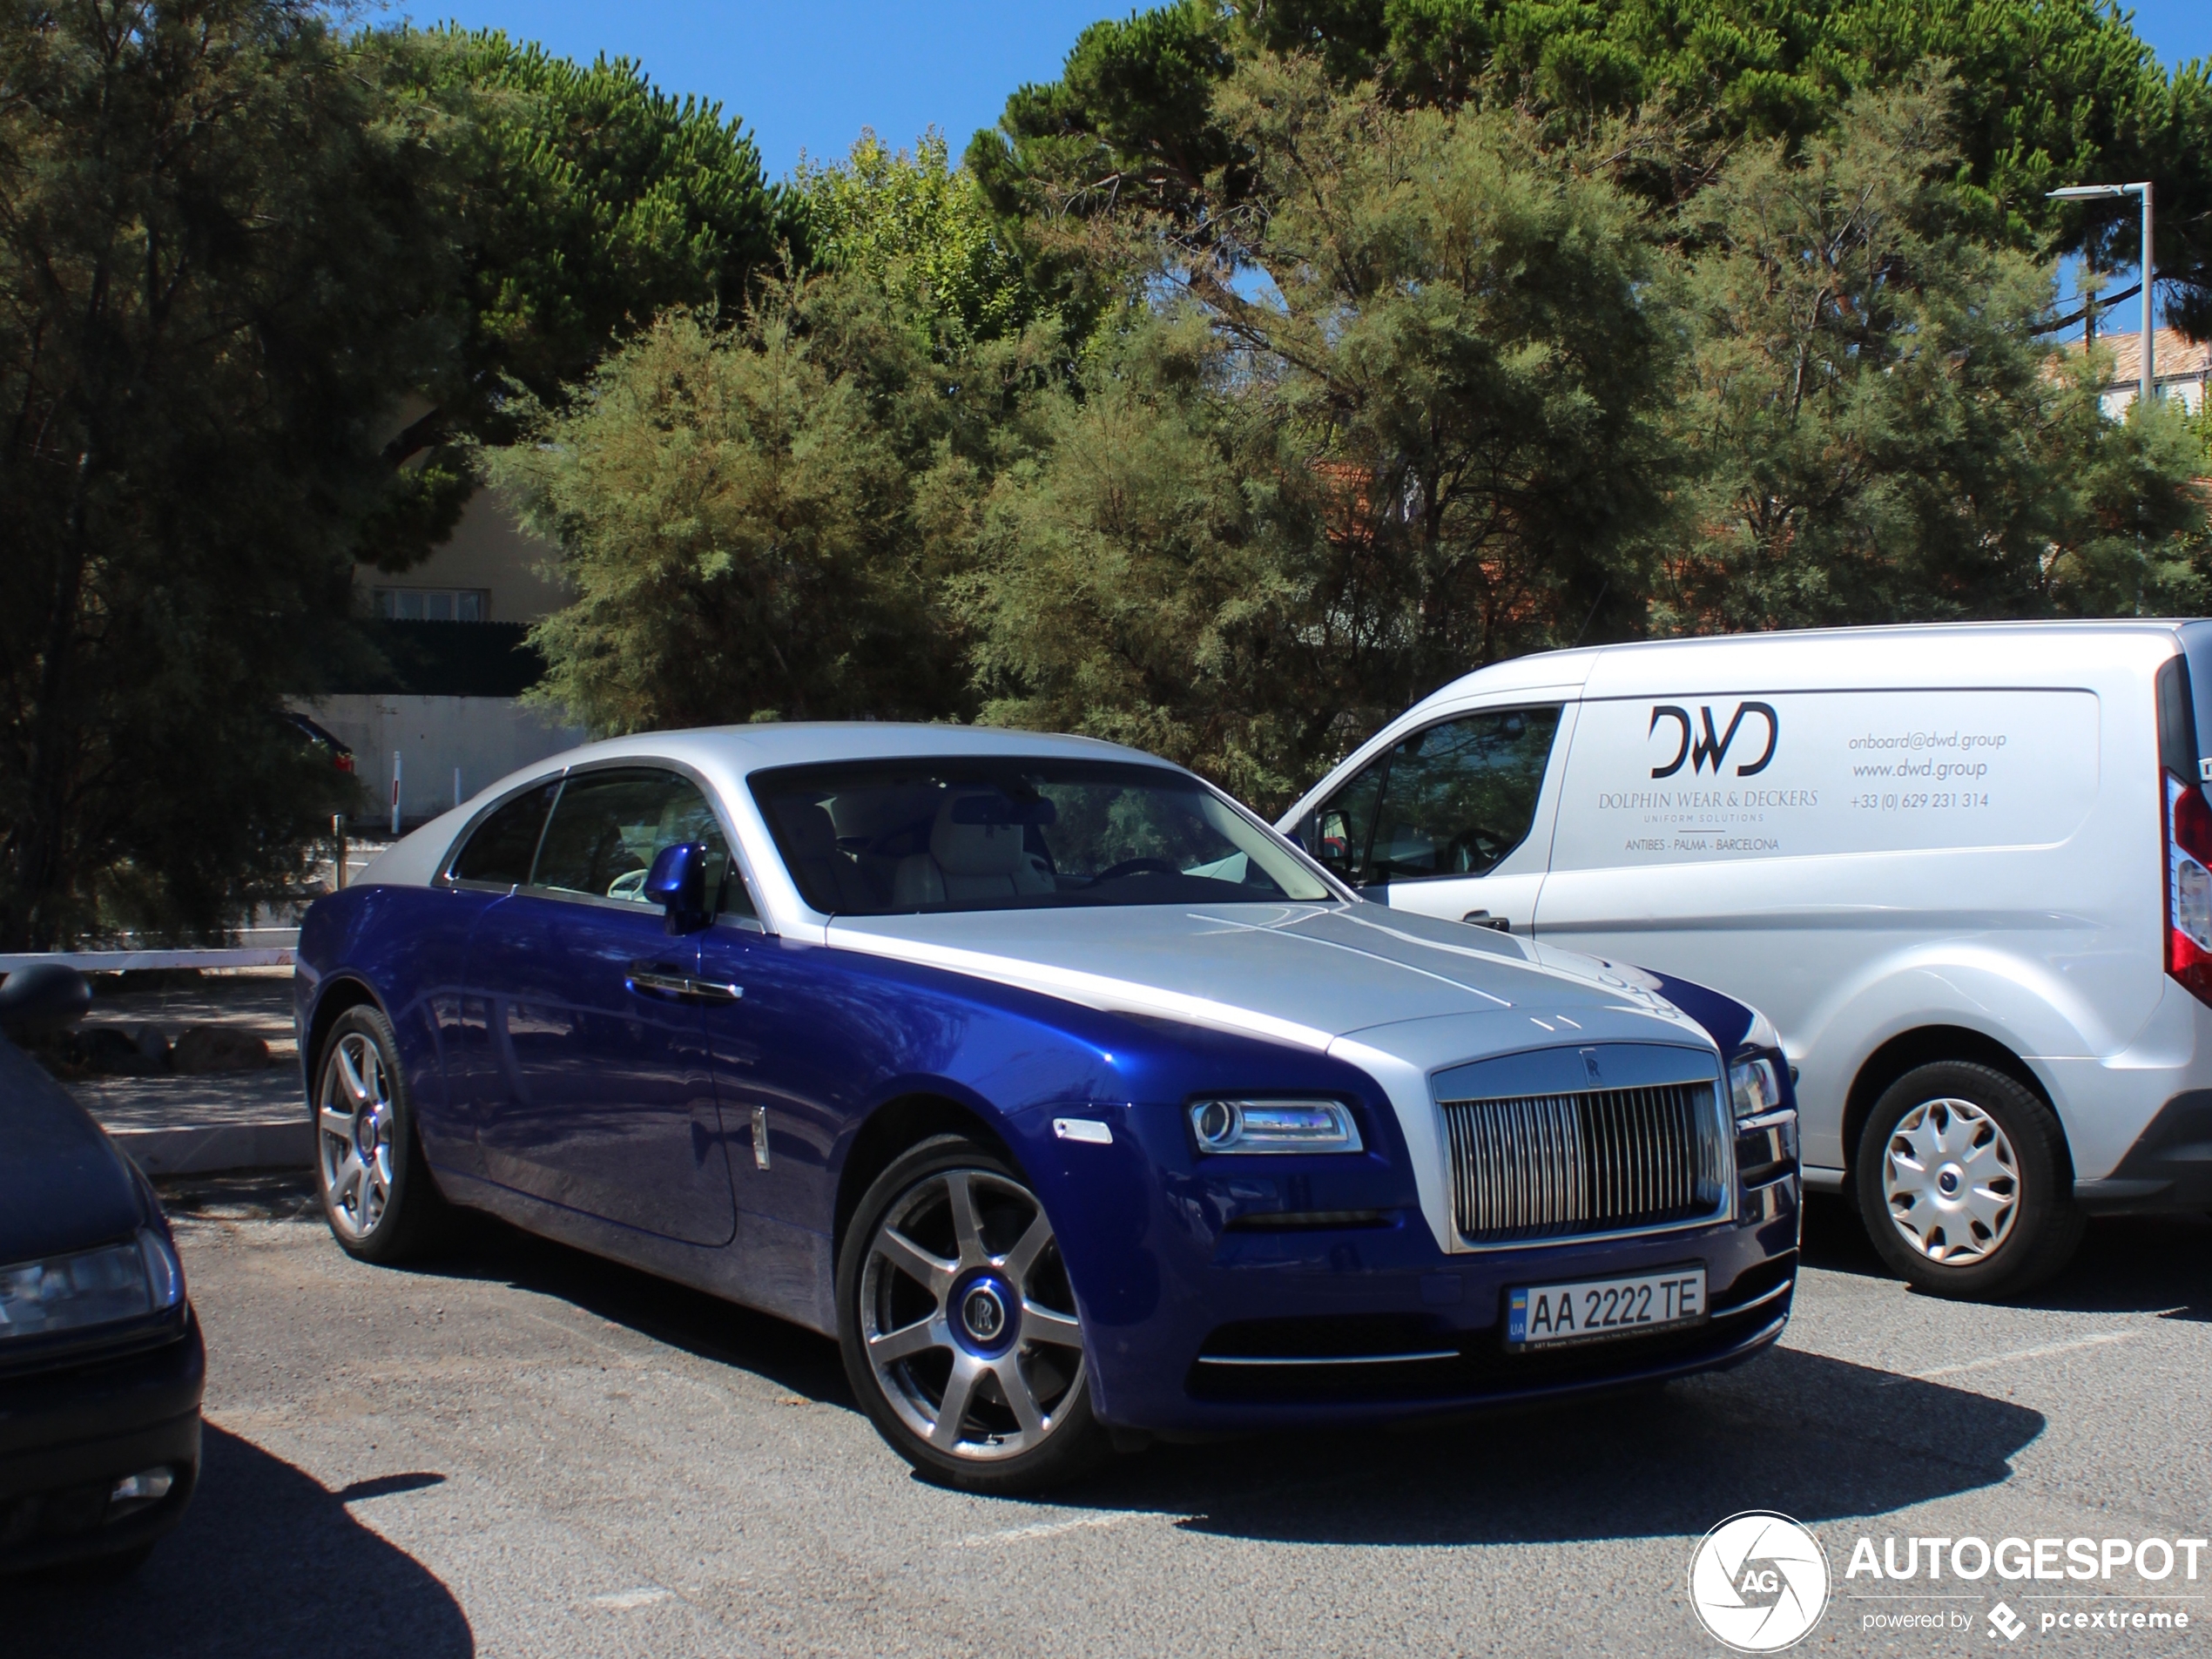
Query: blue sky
{"type": "Point", "coordinates": [811, 75]}
{"type": "Point", "coordinates": [2180, 30]}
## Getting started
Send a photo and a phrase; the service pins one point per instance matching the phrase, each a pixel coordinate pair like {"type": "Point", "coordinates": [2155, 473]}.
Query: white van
{"type": "Point", "coordinates": [1966, 870]}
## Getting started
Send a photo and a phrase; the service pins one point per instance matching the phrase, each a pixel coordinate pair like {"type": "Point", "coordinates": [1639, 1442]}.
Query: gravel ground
{"type": "Point", "coordinates": [257, 1001]}
{"type": "Point", "coordinates": [524, 1451]}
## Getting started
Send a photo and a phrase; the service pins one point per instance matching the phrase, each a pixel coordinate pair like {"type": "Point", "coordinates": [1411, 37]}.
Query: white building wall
{"type": "Point", "coordinates": [489, 553]}
{"type": "Point", "coordinates": [485, 737]}
{"type": "Point", "coordinates": [2118, 400]}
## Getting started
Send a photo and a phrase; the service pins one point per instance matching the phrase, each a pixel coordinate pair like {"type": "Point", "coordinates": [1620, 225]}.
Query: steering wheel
{"type": "Point", "coordinates": [1486, 846]}
{"type": "Point", "coordinates": [1135, 866]}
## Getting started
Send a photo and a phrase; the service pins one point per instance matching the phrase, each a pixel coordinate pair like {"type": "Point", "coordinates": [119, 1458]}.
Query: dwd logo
{"type": "Point", "coordinates": [1711, 748]}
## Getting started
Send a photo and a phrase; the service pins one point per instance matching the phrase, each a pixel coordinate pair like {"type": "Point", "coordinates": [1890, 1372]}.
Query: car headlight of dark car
{"type": "Point", "coordinates": [1226, 1125]}
{"type": "Point", "coordinates": [90, 1287]}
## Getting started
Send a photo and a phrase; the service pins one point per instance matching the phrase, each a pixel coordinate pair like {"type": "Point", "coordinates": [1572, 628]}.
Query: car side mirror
{"type": "Point", "coordinates": [44, 997]}
{"type": "Point", "coordinates": [677, 883]}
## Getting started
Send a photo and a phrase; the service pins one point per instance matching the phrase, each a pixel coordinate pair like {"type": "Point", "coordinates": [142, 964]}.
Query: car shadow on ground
{"type": "Point", "coordinates": [487, 1249]}
{"type": "Point", "coordinates": [787, 1355]}
{"type": "Point", "coordinates": [2158, 1264]}
{"type": "Point", "coordinates": [299, 1575]}
{"type": "Point", "coordinates": [1789, 1430]}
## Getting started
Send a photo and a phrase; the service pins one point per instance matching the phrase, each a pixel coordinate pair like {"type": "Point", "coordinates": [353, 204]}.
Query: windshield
{"type": "Point", "coordinates": [884, 838]}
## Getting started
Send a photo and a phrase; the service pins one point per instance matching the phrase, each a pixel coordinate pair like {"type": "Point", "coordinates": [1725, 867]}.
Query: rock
{"type": "Point", "coordinates": [152, 1044]}
{"type": "Point", "coordinates": [104, 1050]}
{"type": "Point", "coordinates": [218, 1048]}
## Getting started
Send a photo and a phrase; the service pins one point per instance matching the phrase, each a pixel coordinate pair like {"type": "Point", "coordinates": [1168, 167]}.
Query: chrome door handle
{"type": "Point", "coordinates": [658, 979]}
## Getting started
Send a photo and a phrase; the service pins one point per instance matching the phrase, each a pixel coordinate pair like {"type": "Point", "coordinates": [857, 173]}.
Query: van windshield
{"type": "Point", "coordinates": [885, 837]}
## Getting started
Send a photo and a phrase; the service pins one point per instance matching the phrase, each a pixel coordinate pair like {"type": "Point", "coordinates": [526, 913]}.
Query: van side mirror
{"type": "Point", "coordinates": [42, 998]}
{"type": "Point", "coordinates": [677, 883]}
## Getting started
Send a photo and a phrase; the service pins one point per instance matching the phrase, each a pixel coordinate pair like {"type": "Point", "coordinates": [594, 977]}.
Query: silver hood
{"type": "Point", "coordinates": [1304, 973]}
{"type": "Point", "coordinates": [1400, 996]}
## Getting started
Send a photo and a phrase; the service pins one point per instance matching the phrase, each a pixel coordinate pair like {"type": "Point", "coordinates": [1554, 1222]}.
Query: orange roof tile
{"type": "Point", "coordinates": [2178, 357]}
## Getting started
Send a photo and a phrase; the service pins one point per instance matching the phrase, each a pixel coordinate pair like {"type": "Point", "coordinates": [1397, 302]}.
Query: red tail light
{"type": "Point", "coordinates": [344, 763]}
{"type": "Point", "coordinates": [2189, 886]}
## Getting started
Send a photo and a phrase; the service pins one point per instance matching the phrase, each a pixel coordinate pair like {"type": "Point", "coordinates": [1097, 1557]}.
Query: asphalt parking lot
{"type": "Point", "coordinates": [525, 1452]}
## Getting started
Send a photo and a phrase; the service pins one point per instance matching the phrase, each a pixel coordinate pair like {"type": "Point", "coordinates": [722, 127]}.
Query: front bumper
{"type": "Point", "coordinates": [1329, 1268]}
{"type": "Point", "coordinates": [70, 1431]}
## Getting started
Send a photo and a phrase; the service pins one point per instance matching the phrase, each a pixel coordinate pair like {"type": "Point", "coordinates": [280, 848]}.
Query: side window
{"type": "Point", "coordinates": [499, 853]}
{"type": "Point", "coordinates": [608, 826]}
{"type": "Point", "coordinates": [1460, 796]}
{"type": "Point", "coordinates": [1455, 798]}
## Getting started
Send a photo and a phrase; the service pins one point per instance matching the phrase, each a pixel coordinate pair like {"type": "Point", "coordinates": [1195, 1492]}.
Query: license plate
{"type": "Point", "coordinates": [1591, 1309]}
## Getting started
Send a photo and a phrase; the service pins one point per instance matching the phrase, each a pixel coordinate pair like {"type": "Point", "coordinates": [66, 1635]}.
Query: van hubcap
{"type": "Point", "coordinates": [1951, 1181]}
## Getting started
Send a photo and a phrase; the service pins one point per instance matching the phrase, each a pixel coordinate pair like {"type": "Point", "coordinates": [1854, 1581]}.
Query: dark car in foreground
{"type": "Point", "coordinates": [101, 1362]}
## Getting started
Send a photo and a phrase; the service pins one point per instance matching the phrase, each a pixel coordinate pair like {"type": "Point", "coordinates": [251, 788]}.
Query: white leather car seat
{"type": "Point", "coordinates": [967, 861]}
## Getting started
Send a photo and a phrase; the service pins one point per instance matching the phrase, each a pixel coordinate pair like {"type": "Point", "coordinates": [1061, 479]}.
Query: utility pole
{"type": "Point", "coordinates": [2149, 360]}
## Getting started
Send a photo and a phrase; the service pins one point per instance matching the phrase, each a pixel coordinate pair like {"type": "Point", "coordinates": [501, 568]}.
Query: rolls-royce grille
{"type": "Point", "coordinates": [1544, 1166]}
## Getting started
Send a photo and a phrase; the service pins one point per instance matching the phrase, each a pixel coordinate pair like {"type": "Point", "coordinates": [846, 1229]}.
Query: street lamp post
{"type": "Point", "coordinates": [2089, 193]}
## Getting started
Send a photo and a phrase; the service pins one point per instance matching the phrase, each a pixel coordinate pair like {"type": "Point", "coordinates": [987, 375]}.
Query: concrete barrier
{"type": "Point", "coordinates": [208, 1149]}
{"type": "Point", "coordinates": [263, 948]}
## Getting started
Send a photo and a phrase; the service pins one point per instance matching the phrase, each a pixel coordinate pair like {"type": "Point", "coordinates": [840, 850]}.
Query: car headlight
{"type": "Point", "coordinates": [90, 1287]}
{"type": "Point", "coordinates": [1274, 1126]}
{"type": "Point", "coordinates": [1755, 1086]}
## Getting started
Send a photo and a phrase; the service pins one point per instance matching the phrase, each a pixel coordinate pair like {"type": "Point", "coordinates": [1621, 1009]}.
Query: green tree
{"type": "Point", "coordinates": [1431, 439]}
{"type": "Point", "coordinates": [581, 201]}
{"type": "Point", "coordinates": [1877, 431]}
{"type": "Point", "coordinates": [2051, 92]}
{"type": "Point", "coordinates": [2130, 537]}
{"type": "Point", "coordinates": [217, 267]}
{"type": "Point", "coordinates": [744, 512]}
{"type": "Point", "coordinates": [1155, 570]}
{"type": "Point", "coordinates": [920, 230]}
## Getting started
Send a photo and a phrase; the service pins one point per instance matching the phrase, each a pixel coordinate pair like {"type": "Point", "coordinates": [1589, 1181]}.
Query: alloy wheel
{"type": "Point", "coordinates": [1951, 1181]}
{"type": "Point", "coordinates": [967, 1316]}
{"type": "Point", "coordinates": [354, 1133]}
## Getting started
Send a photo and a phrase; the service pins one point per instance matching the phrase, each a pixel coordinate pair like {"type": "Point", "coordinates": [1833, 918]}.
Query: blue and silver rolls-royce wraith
{"type": "Point", "coordinates": [1070, 1097]}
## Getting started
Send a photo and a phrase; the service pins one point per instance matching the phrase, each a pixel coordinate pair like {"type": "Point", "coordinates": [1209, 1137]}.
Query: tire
{"type": "Point", "coordinates": [926, 1301]}
{"type": "Point", "coordinates": [378, 1194]}
{"type": "Point", "coordinates": [1965, 1184]}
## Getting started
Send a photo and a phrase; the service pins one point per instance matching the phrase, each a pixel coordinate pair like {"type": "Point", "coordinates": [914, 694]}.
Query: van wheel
{"type": "Point", "coordinates": [1962, 1183]}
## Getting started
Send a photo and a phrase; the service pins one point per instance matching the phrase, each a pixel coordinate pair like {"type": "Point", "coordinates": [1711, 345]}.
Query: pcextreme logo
{"type": "Point", "coordinates": [1758, 1582]}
